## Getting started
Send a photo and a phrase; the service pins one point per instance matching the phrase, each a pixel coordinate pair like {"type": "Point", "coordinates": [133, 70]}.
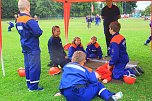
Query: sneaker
{"type": "Point", "coordinates": [145, 44]}
{"type": "Point", "coordinates": [50, 64]}
{"type": "Point", "coordinates": [58, 94]}
{"type": "Point", "coordinates": [136, 71]}
{"type": "Point", "coordinates": [117, 96]}
{"type": "Point", "coordinates": [38, 89]}
{"type": "Point", "coordinates": [140, 69]}
{"type": "Point", "coordinates": [107, 56]}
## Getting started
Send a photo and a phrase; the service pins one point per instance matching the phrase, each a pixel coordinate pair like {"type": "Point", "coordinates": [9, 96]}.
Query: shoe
{"type": "Point", "coordinates": [117, 96]}
{"type": "Point", "coordinates": [145, 44]}
{"type": "Point", "coordinates": [140, 69]}
{"type": "Point", "coordinates": [107, 56]}
{"type": "Point", "coordinates": [137, 73]}
{"type": "Point", "coordinates": [50, 64]}
{"type": "Point", "coordinates": [38, 89]}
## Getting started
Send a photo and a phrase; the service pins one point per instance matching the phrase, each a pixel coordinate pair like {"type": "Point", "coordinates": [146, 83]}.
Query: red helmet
{"type": "Point", "coordinates": [54, 71]}
{"type": "Point", "coordinates": [21, 72]}
{"type": "Point", "coordinates": [67, 46]}
{"type": "Point", "coordinates": [129, 79]}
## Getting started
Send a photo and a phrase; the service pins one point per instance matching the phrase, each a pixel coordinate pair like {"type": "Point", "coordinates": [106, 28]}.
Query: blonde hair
{"type": "Point", "coordinates": [78, 56]}
{"type": "Point", "coordinates": [23, 4]}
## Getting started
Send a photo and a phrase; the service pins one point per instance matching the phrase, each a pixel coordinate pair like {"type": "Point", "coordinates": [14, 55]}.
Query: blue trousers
{"type": "Point", "coordinates": [9, 28]}
{"type": "Point", "coordinates": [93, 56]}
{"type": "Point", "coordinates": [148, 40]}
{"type": "Point", "coordinates": [119, 71]}
{"type": "Point", "coordinates": [33, 69]}
{"type": "Point", "coordinates": [87, 93]}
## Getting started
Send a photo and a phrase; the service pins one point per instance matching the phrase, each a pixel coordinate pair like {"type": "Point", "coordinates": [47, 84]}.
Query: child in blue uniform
{"type": "Point", "coordinates": [118, 52]}
{"type": "Point", "coordinates": [55, 48]}
{"type": "Point", "coordinates": [149, 39]}
{"type": "Point", "coordinates": [11, 25]}
{"type": "Point", "coordinates": [30, 32]}
{"type": "Point", "coordinates": [93, 49]}
{"type": "Point", "coordinates": [97, 20]}
{"type": "Point", "coordinates": [75, 46]}
{"type": "Point", "coordinates": [79, 83]}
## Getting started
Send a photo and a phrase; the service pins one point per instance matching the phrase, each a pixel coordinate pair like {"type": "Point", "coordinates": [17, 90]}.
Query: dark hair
{"type": "Point", "coordinates": [73, 42]}
{"type": "Point", "coordinates": [54, 28]}
{"type": "Point", "coordinates": [115, 26]}
{"type": "Point", "coordinates": [94, 37]}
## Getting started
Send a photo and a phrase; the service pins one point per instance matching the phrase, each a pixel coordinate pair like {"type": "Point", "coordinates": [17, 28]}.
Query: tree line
{"type": "Point", "coordinates": [47, 8]}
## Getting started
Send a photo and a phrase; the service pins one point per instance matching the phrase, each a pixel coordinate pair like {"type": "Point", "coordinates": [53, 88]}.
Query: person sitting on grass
{"type": "Point", "coordinates": [55, 48]}
{"type": "Point", "coordinates": [93, 49]}
{"type": "Point", "coordinates": [79, 83]}
{"type": "Point", "coordinates": [149, 39]}
{"type": "Point", "coordinates": [75, 46]}
{"type": "Point", "coordinates": [118, 53]}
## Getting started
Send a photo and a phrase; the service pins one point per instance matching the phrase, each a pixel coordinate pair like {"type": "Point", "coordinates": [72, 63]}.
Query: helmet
{"type": "Point", "coordinates": [129, 79]}
{"type": "Point", "coordinates": [67, 46]}
{"type": "Point", "coordinates": [21, 72]}
{"type": "Point", "coordinates": [54, 71]}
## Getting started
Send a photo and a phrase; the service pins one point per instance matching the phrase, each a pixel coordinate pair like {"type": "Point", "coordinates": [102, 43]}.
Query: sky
{"type": "Point", "coordinates": [141, 5]}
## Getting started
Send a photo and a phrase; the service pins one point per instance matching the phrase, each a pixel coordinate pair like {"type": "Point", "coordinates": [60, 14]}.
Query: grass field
{"type": "Point", "coordinates": [13, 87]}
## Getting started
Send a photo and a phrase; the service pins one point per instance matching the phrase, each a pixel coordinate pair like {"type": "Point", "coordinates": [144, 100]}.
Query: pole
{"type": "Point", "coordinates": [151, 22]}
{"type": "Point", "coordinates": [1, 38]}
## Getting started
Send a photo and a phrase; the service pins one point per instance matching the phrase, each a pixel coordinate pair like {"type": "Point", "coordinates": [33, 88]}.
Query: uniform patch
{"type": "Point", "coordinates": [19, 27]}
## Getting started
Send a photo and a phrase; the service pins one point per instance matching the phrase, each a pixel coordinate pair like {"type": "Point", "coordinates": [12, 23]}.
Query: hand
{"type": "Point", "coordinates": [109, 67]}
{"type": "Point", "coordinates": [66, 57]}
{"type": "Point", "coordinates": [105, 81]}
{"type": "Point", "coordinates": [98, 76]}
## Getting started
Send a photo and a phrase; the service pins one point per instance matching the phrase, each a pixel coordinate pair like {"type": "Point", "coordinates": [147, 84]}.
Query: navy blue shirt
{"type": "Point", "coordinates": [55, 48]}
{"type": "Point", "coordinates": [110, 14]}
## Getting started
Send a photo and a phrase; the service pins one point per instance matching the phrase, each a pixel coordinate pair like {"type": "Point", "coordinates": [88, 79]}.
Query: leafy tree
{"type": "Point", "coordinates": [9, 8]}
{"type": "Point", "coordinates": [146, 12]}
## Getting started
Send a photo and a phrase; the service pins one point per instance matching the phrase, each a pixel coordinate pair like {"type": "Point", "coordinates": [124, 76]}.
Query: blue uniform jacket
{"type": "Point", "coordinates": [118, 51]}
{"type": "Point", "coordinates": [74, 74]}
{"type": "Point", "coordinates": [97, 19]}
{"type": "Point", "coordinates": [29, 32]}
{"type": "Point", "coordinates": [94, 49]}
{"type": "Point", "coordinates": [55, 48]}
{"type": "Point", "coordinates": [74, 48]}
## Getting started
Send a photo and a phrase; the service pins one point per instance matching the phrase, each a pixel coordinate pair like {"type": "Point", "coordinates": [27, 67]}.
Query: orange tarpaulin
{"type": "Point", "coordinates": [94, 0]}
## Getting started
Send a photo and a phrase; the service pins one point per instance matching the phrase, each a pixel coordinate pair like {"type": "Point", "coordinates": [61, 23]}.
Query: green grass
{"type": "Point", "coordinates": [13, 87]}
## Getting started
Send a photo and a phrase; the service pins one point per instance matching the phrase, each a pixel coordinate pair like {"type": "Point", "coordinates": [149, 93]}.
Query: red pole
{"type": "Point", "coordinates": [0, 27]}
{"type": "Point", "coordinates": [151, 22]}
{"type": "Point", "coordinates": [67, 6]}
{"type": "Point", "coordinates": [1, 57]}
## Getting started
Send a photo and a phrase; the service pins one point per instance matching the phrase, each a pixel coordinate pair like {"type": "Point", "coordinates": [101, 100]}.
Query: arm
{"type": "Point", "coordinates": [35, 29]}
{"type": "Point", "coordinates": [91, 76]}
{"type": "Point", "coordinates": [118, 13]}
{"type": "Point", "coordinates": [99, 51]}
{"type": "Point", "coordinates": [102, 14]}
{"type": "Point", "coordinates": [114, 52]}
{"type": "Point", "coordinates": [70, 52]}
{"type": "Point", "coordinates": [87, 52]}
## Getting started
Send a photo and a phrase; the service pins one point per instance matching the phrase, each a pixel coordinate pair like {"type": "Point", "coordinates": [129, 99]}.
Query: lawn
{"type": "Point", "coordinates": [13, 87]}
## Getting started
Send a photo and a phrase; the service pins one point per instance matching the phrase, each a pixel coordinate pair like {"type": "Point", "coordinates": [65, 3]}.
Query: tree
{"type": "Point", "coordinates": [45, 8]}
{"type": "Point", "coordinates": [146, 12]}
{"type": "Point", "coordinates": [126, 7]}
{"type": "Point", "coordinates": [9, 8]}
